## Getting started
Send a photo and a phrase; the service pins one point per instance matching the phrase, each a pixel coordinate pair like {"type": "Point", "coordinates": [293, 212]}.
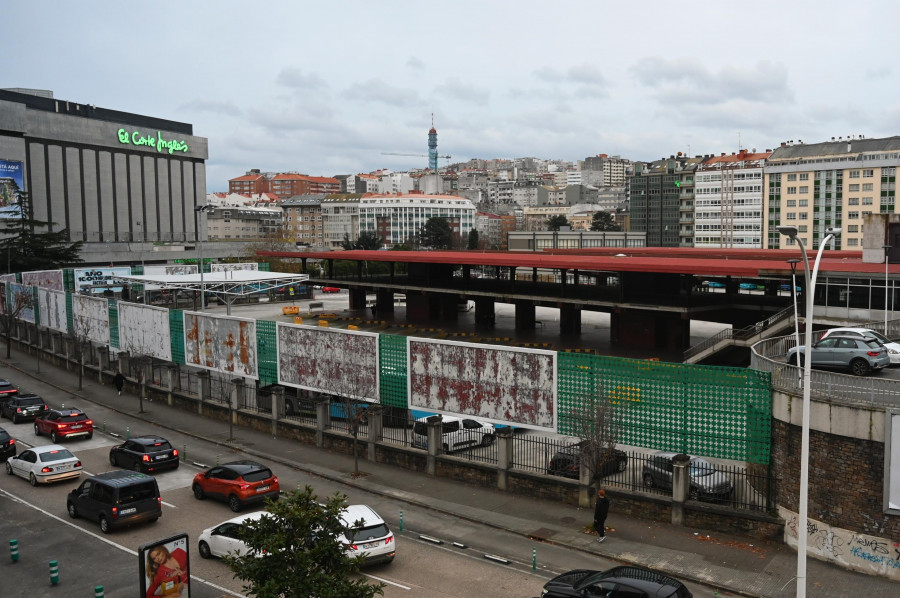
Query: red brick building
{"type": "Point", "coordinates": [283, 184]}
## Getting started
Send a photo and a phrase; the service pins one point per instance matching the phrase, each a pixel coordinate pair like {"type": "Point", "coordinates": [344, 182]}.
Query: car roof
{"type": "Point", "coordinates": [353, 513]}
{"type": "Point", "coordinates": [147, 439]}
{"type": "Point", "coordinates": [68, 411]}
{"type": "Point", "coordinates": [244, 466]}
{"type": "Point", "coordinates": [122, 477]}
{"type": "Point", "coordinates": [646, 579]}
{"type": "Point", "coordinates": [242, 518]}
{"type": "Point", "coordinates": [48, 448]}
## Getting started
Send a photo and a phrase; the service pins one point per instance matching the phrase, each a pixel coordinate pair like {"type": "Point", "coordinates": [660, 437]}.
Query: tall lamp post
{"type": "Point", "coordinates": [809, 292]}
{"type": "Point", "coordinates": [887, 251]}
{"type": "Point", "coordinates": [793, 262]}
{"type": "Point", "coordinates": [197, 211]}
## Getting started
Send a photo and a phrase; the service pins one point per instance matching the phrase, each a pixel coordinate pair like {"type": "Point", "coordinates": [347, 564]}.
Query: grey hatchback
{"type": "Point", "coordinates": [859, 355]}
{"type": "Point", "coordinates": [706, 482]}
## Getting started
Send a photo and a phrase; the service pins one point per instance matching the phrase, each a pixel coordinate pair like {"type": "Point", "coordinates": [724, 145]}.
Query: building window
{"type": "Point", "coordinates": [854, 174]}
{"type": "Point", "coordinates": [804, 176]}
{"type": "Point", "coordinates": [854, 188]}
{"type": "Point", "coordinates": [853, 201]}
{"type": "Point", "coordinates": [868, 187]}
{"type": "Point", "coordinates": [852, 228]}
{"type": "Point", "coordinates": [868, 173]}
{"type": "Point", "coordinates": [792, 203]}
{"type": "Point", "coordinates": [804, 203]}
{"type": "Point", "coordinates": [792, 215]}
{"type": "Point", "coordinates": [791, 190]}
{"type": "Point", "coordinates": [852, 215]}
{"type": "Point", "coordinates": [804, 189]}
{"type": "Point", "coordinates": [792, 177]}
{"type": "Point", "coordinates": [867, 201]}
{"type": "Point", "coordinates": [852, 242]}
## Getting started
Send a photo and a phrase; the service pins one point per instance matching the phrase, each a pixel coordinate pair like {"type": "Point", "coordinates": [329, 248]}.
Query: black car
{"type": "Point", "coordinates": [144, 453]}
{"type": "Point", "coordinates": [7, 445]}
{"type": "Point", "coordinates": [115, 499]}
{"type": "Point", "coordinates": [23, 407]}
{"type": "Point", "coordinates": [618, 582]}
{"type": "Point", "coordinates": [7, 389]}
{"type": "Point", "coordinates": [567, 461]}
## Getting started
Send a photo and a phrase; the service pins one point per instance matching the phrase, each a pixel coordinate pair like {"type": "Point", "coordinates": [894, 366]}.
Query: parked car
{"type": "Point", "coordinates": [44, 464]}
{"type": "Point", "coordinates": [331, 290]}
{"type": "Point", "coordinates": [892, 347]}
{"type": "Point", "coordinates": [238, 483]}
{"type": "Point", "coordinates": [144, 453]}
{"type": "Point", "coordinates": [63, 423]}
{"type": "Point", "coordinates": [7, 445]}
{"type": "Point", "coordinates": [618, 582]}
{"type": "Point", "coordinates": [567, 461]}
{"type": "Point", "coordinates": [706, 482]}
{"type": "Point", "coordinates": [371, 539]}
{"type": "Point", "coordinates": [858, 355]}
{"type": "Point", "coordinates": [23, 407]}
{"type": "Point", "coordinates": [222, 539]}
{"type": "Point", "coordinates": [7, 388]}
{"type": "Point", "coordinates": [116, 499]}
{"type": "Point", "coordinates": [456, 433]}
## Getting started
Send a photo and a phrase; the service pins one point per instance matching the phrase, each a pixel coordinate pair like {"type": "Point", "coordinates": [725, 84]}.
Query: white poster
{"type": "Point", "coordinates": [90, 318]}
{"type": "Point", "coordinates": [144, 330]}
{"type": "Point", "coordinates": [52, 306]}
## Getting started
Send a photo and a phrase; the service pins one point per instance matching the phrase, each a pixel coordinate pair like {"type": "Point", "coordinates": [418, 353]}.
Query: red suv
{"type": "Point", "coordinates": [64, 423]}
{"type": "Point", "coordinates": [238, 483]}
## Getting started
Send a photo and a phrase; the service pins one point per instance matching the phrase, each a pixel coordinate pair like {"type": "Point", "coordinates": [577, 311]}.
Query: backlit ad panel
{"type": "Point", "coordinates": [221, 343]}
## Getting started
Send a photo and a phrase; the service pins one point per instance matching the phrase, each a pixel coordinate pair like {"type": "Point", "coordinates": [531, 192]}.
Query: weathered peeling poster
{"type": "Point", "coordinates": [52, 309]}
{"type": "Point", "coordinates": [221, 343]}
{"type": "Point", "coordinates": [144, 330]}
{"type": "Point", "coordinates": [90, 318]}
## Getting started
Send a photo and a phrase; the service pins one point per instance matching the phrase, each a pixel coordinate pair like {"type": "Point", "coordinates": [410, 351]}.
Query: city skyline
{"type": "Point", "coordinates": [327, 90]}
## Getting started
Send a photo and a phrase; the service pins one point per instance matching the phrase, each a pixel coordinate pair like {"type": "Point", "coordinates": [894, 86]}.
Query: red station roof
{"type": "Point", "coordinates": [747, 263]}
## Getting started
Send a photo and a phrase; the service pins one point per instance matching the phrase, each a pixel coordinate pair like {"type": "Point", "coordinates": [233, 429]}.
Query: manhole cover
{"type": "Point", "coordinates": [542, 534]}
{"type": "Point", "coordinates": [567, 520]}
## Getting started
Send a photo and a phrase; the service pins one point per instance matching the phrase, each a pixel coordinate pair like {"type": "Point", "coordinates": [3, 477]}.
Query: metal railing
{"type": "Point", "coordinates": [533, 452]}
{"type": "Point", "coordinates": [740, 334]}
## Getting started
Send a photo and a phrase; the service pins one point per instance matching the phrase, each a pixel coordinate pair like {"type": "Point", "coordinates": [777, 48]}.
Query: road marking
{"type": "Point", "coordinates": [105, 540]}
{"type": "Point", "coordinates": [402, 587]}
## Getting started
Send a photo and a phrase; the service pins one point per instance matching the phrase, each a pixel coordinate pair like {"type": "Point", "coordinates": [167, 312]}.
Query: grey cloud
{"type": "Point", "coordinates": [213, 106]}
{"type": "Point", "coordinates": [584, 74]}
{"type": "Point", "coordinates": [293, 77]}
{"type": "Point", "coordinates": [883, 72]}
{"type": "Point", "coordinates": [458, 90]}
{"type": "Point", "coordinates": [415, 63]}
{"type": "Point", "coordinates": [378, 91]}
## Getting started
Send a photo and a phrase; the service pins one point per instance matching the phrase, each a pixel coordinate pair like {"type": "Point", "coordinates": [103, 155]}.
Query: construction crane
{"type": "Point", "coordinates": [413, 155]}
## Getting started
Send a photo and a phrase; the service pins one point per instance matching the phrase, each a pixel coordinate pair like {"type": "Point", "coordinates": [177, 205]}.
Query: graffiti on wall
{"type": "Point", "coordinates": [52, 309]}
{"type": "Point", "coordinates": [144, 330]}
{"type": "Point", "coordinates": [499, 384]}
{"type": "Point", "coordinates": [221, 343]}
{"type": "Point", "coordinates": [852, 550]}
{"type": "Point", "coordinates": [339, 362]}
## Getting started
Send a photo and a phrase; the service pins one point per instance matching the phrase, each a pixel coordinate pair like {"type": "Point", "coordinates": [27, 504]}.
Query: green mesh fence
{"type": "Point", "coordinates": [70, 317]}
{"type": "Point", "coordinates": [263, 266]}
{"type": "Point", "coordinates": [705, 410]}
{"type": "Point", "coordinates": [69, 280]}
{"type": "Point", "coordinates": [176, 332]}
{"type": "Point", "coordinates": [114, 323]}
{"type": "Point", "coordinates": [267, 352]}
{"type": "Point", "coordinates": [393, 375]}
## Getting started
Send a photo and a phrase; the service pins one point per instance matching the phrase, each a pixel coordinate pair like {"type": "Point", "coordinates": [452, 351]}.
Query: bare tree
{"type": "Point", "coordinates": [14, 300]}
{"type": "Point", "coordinates": [82, 325]}
{"type": "Point", "coordinates": [599, 425]}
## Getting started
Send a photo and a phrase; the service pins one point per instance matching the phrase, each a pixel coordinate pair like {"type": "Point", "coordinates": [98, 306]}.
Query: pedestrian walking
{"type": "Point", "coordinates": [119, 381]}
{"type": "Point", "coordinates": [601, 510]}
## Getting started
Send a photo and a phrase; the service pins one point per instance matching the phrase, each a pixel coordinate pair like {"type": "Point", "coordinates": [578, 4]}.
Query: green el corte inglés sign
{"type": "Point", "coordinates": [161, 145]}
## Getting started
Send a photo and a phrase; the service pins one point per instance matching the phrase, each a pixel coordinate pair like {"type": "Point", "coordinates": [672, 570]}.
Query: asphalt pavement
{"type": "Point", "coordinates": [730, 564]}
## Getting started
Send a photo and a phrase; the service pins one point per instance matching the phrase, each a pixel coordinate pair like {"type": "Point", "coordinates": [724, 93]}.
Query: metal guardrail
{"type": "Point", "coordinates": [740, 334]}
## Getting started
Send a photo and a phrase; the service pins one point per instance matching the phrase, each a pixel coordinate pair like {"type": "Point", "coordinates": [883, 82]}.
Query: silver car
{"type": "Point", "coordinates": [706, 482]}
{"type": "Point", "coordinates": [859, 355]}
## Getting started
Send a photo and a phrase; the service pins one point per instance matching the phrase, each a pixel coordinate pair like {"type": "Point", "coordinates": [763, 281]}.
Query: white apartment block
{"type": "Point", "coordinates": [399, 218]}
{"type": "Point", "coordinates": [573, 177]}
{"type": "Point", "coordinates": [340, 219]}
{"type": "Point", "coordinates": [500, 192]}
{"type": "Point", "coordinates": [525, 195]}
{"type": "Point", "coordinates": [728, 201]}
{"type": "Point", "coordinates": [831, 184]}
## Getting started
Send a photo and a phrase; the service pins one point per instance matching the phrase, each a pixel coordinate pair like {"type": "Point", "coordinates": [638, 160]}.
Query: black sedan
{"type": "Point", "coordinates": [618, 582]}
{"type": "Point", "coordinates": [144, 454]}
{"type": "Point", "coordinates": [567, 461]}
{"type": "Point", "coordinates": [7, 445]}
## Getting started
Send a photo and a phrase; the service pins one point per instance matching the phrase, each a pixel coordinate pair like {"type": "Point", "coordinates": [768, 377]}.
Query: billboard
{"type": "Point", "coordinates": [339, 362]}
{"type": "Point", "coordinates": [90, 318]}
{"type": "Point", "coordinates": [229, 267]}
{"type": "Point", "coordinates": [167, 270]}
{"type": "Point", "coordinates": [47, 279]}
{"type": "Point", "coordinates": [20, 301]}
{"type": "Point", "coordinates": [95, 278]}
{"type": "Point", "coordinates": [52, 309]}
{"type": "Point", "coordinates": [503, 385]}
{"type": "Point", "coordinates": [221, 343]}
{"type": "Point", "coordinates": [165, 567]}
{"type": "Point", "coordinates": [12, 180]}
{"type": "Point", "coordinates": [144, 330]}
{"type": "Point", "coordinates": [892, 461]}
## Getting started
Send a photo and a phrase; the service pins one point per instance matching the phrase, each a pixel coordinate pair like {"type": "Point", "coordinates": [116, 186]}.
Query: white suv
{"type": "Point", "coordinates": [893, 349]}
{"type": "Point", "coordinates": [456, 433]}
{"type": "Point", "coordinates": [371, 539]}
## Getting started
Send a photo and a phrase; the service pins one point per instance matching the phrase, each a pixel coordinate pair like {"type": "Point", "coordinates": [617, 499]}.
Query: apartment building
{"type": "Point", "coordinates": [242, 223]}
{"type": "Point", "coordinates": [661, 200]}
{"type": "Point", "coordinates": [399, 218]}
{"type": "Point", "coordinates": [536, 217]}
{"type": "Point", "coordinates": [612, 169]}
{"type": "Point", "coordinates": [282, 184]}
{"type": "Point", "coordinates": [728, 202]}
{"type": "Point", "coordinates": [303, 219]}
{"type": "Point", "coordinates": [340, 220]}
{"type": "Point", "coordinates": [835, 183]}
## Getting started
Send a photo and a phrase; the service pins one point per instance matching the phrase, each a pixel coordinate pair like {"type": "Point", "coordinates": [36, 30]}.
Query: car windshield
{"type": "Point", "coordinates": [57, 455]}
{"type": "Point", "coordinates": [873, 344]}
{"type": "Point", "coordinates": [701, 467]}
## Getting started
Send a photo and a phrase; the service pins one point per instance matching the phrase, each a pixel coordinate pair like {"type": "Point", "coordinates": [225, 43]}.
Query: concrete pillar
{"type": "Point", "coordinates": [569, 319]}
{"type": "Point", "coordinates": [585, 477]}
{"type": "Point", "coordinates": [103, 354]}
{"type": "Point", "coordinates": [384, 301]}
{"type": "Point", "coordinates": [323, 417]}
{"type": "Point", "coordinates": [357, 298]}
{"type": "Point", "coordinates": [238, 397]}
{"type": "Point", "coordinates": [376, 424]}
{"type": "Point", "coordinates": [504, 456]}
{"type": "Point", "coordinates": [277, 407]}
{"type": "Point", "coordinates": [435, 426]}
{"type": "Point", "coordinates": [449, 307]}
{"type": "Point", "coordinates": [205, 389]}
{"type": "Point", "coordinates": [171, 377]}
{"type": "Point", "coordinates": [681, 483]}
{"type": "Point", "coordinates": [524, 315]}
{"type": "Point", "coordinates": [124, 365]}
{"type": "Point", "coordinates": [485, 313]}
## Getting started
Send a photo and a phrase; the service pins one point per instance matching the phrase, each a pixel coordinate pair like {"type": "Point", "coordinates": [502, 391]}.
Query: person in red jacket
{"type": "Point", "coordinates": [167, 571]}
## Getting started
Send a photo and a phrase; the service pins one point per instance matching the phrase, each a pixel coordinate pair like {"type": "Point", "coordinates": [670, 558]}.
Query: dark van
{"type": "Point", "coordinates": [116, 499]}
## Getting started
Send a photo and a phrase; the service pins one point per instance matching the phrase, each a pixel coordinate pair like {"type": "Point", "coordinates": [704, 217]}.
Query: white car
{"type": "Point", "coordinates": [892, 348]}
{"type": "Point", "coordinates": [456, 433]}
{"type": "Point", "coordinates": [372, 539]}
{"type": "Point", "coordinates": [219, 540]}
{"type": "Point", "coordinates": [45, 464]}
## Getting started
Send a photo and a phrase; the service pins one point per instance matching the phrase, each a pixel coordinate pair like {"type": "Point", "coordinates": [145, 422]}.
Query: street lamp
{"type": "Point", "coordinates": [887, 250]}
{"type": "Point", "coordinates": [809, 292]}
{"type": "Point", "coordinates": [197, 211]}
{"type": "Point", "coordinates": [793, 262]}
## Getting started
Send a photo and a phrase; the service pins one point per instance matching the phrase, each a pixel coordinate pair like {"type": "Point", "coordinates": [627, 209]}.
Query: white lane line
{"type": "Point", "coordinates": [402, 587]}
{"type": "Point", "coordinates": [163, 502]}
{"type": "Point", "coordinates": [18, 499]}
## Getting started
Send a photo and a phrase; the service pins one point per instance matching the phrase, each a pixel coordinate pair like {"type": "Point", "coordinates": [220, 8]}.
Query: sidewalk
{"type": "Point", "coordinates": [723, 562]}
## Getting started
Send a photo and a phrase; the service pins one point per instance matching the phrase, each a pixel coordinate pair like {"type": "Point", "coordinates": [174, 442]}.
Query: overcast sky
{"type": "Point", "coordinates": [323, 88]}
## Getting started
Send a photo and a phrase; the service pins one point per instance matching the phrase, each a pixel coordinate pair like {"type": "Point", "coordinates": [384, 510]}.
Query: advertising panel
{"type": "Point", "coordinates": [90, 318]}
{"type": "Point", "coordinates": [165, 567]}
{"type": "Point", "coordinates": [144, 330]}
{"type": "Point", "coordinates": [12, 180]}
{"type": "Point", "coordinates": [229, 267]}
{"type": "Point", "coordinates": [20, 301]}
{"type": "Point", "coordinates": [52, 309]}
{"type": "Point", "coordinates": [503, 385]}
{"type": "Point", "coordinates": [339, 362]}
{"type": "Point", "coordinates": [168, 270]}
{"type": "Point", "coordinates": [94, 280]}
{"type": "Point", "coordinates": [892, 462]}
{"type": "Point", "coordinates": [221, 343]}
{"type": "Point", "coordinates": [46, 279]}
